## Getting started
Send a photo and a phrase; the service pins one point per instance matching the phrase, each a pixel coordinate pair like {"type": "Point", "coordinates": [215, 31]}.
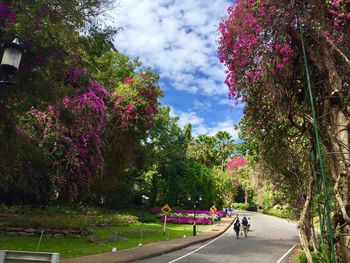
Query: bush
{"type": "Point", "coordinates": [252, 208]}
{"type": "Point", "coordinates": [46, 222]}
{"type": "Point", "coordinates": [119, 196]}
{"type": "Point", "coordinates": [113, 220]}
{"type": "Point", "coordinates": [62, 217]}
{"type": "Point", "coordinates": [316, 258]}
{"type": "Point", "coordinates": [240, 206]}
{"type": "Point", "coordinates": [302, 258]}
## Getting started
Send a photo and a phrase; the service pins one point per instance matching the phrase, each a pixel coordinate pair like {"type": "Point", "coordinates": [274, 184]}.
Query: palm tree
{"type": "Point", "coordinates": [224, 146]}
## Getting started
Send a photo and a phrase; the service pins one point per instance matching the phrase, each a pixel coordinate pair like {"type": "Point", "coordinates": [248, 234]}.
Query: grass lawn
{"type": "Point", "coordinates": [102, 239]}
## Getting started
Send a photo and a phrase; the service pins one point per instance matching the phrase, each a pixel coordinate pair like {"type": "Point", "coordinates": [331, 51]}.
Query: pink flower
{"type": "Point", "coordinates": [280, 65]}
{"type": "Point", "coordinates": [285, 60]}
{"type": "Point", "coordinates": [326, 33]}
{"type": "Point", "coordinates": [127, 80]}
{"type": "Point", "coordinates": [129, 107]}
{"type": "Point", "coordinates": [278, 46]}
{"type": "Point", "coordinates": [250, 74]}
{"type": "Point", "coordinates": [18, 130]}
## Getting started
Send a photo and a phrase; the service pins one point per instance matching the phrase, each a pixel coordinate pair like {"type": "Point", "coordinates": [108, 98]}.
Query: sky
{"type": "Point", "coordinates": [177, 39]}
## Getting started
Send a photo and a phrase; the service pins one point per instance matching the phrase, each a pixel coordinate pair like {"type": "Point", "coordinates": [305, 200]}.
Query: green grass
{"type": "Point", "coordinates": [109, 229]}
{"type": "Point", "coordinates": [96, 243]}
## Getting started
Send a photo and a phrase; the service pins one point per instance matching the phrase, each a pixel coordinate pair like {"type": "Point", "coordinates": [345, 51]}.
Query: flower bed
{"type": "Point", "coordinates": [177, 216]}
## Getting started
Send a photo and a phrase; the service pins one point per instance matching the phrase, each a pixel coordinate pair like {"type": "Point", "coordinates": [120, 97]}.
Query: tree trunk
{"type": "Point", "coordinates": [303, 224]}
{"type": "Point", "coordinates": [336, 121]}
{"type": "Point", "coordinates": [338, 132]}
{"type": "Point", "coordinates": [245, 196]}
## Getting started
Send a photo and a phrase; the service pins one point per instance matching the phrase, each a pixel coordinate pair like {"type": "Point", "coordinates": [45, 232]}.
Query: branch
{"type": "Point", "coordinates": [338, 50]}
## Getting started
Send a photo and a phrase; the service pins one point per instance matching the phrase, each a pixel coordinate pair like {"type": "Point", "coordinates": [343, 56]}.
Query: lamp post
{"type": "Point", "coordinates": [195, 204]}
{"type": "Point", "coordinates": [144, 202]}
{"type": "Point", "coordinates": [10, 61]}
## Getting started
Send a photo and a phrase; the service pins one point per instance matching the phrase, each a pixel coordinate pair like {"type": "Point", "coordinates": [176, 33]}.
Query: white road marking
{"type": "Point", "coordinates": [177, 259]}
{"type": "Point", "coordinates": [280, 260]}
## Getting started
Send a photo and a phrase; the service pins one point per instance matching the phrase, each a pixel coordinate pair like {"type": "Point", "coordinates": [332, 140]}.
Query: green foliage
{"type": "Point", "coordinates": [54, 217]}
{"type": "Point", "coordinates": [224, 187]}
{"type": "Point", "coordinates": [275, 211]}
{"type": "Point", "coordinates": [113, 220]}
{"type": "Point", "coordinates": [240, 206]}
{"type": "Point", "coordinates": [119, 196]}
{"type": "Point", "coordinates": [46, 222]}
{"type": "Point", "coordinates": [98, 242]}
{"type": "Point", "coordinates": [316, 258]}
{"type": "Point", "coordinates": [268, 200]}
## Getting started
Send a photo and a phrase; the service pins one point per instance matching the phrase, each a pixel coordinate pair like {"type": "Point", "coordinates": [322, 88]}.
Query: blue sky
{"type": "Point", "coordinates": [177, 39]}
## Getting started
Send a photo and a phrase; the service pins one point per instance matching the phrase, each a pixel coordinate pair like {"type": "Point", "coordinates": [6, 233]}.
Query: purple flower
{"type": "Point", "coordinates": [3, 10]}
{"type": "Point", "coordinates": [11, 17]}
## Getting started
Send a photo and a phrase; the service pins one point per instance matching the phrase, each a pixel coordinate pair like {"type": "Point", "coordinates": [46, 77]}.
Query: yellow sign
{"type": "Point", "coordinates": [213, 209]}
{"type": "Point", "coordinates": [166, 209]}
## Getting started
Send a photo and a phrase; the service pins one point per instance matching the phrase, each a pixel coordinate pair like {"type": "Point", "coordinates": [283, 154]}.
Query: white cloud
{"type": "Point", "coordinates": [199, 126]}
{"type": "Point", "coordinates": [202, 105]}
{"type": "Point", "coordinates": [224, 126]}
{"type": "Point", "coordinates": [231, 103]}
{"type": "Point", "coordinates": [177, 38]}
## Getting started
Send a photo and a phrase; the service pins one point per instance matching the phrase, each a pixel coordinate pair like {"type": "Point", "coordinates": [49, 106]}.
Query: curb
{"type": "Point", "coordinates": [149, 250]}
{"type": "Point", "coordinates": [191, 243]}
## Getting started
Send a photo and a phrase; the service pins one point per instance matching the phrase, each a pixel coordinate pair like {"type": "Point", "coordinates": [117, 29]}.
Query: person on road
{"type": "Point", "coordinates": [245, 226]}
{"type": "Point", "coordinates": [248, 224]}
{"type": "Point", "coordinates": [237, 227]}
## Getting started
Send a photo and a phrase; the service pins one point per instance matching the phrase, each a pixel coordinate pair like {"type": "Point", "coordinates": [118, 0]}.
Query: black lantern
{"type": "Point", "coordinates": [11, 58]}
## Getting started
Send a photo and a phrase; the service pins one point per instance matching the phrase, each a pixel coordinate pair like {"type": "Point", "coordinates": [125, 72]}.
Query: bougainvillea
{"type": "Point", "coordinates": [6, 14]}
{"type": "Point", "coordinates": [72, 129]}
{"type": "Point", "coordinates": [135, 101]}
{"type": "Point", "coordinates": [264, 45]}
{"type": "Point", "coordinates": [236, 162]}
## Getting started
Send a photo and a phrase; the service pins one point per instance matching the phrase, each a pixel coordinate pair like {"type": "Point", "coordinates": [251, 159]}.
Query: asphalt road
{"type": "Point", "coordinates": [268, 240]}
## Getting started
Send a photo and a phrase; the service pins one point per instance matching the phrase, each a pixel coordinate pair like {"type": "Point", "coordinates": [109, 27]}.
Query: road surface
{"type": "Point", "coordinates": [268, 240]}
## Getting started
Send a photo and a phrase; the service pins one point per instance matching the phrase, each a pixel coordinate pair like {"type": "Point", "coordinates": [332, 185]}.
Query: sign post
{"type": "Point", "coordinates": [213, 210]}
{"type": "Point", "coordinates": [166, 210]}
{"type": "Point", "coordinates": [164, 225]}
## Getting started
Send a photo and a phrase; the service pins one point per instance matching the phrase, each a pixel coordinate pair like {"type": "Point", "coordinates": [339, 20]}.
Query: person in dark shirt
{"type": "Point", "coordinates": [245, 226]}
{"type": "Point", "coordinates": [237, 227]}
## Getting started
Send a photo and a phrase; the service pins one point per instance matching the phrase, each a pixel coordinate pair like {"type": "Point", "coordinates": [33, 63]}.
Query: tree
{"type": "Point", "coordinates": [225, 147]}
{"type": "Point", "coordinates": [262, 44]}
{"type": "Point", "coordinates": [86, 131]}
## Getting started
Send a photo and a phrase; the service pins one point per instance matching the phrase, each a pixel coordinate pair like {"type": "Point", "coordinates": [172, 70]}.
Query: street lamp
{"type": "Point", "coordinates": [144, 202]}
{"type": "Point", "coordinates": [195, 204]}
{"type": "Point", "coordinates": [10, 60]}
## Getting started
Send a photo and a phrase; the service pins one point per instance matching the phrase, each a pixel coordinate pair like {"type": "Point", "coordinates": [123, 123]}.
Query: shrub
{"type": "Point", "coordinates": [240, 206]}
{"type": "Point", "coordinates": [113, 220]}
{"type": "Point", "coordinates": [316, 258]}
{"type": "Point", "coordinates": [47, 222]}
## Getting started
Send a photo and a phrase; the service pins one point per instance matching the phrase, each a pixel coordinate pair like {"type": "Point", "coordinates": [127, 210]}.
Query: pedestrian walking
{"type": "Point", "coordinates": [249, 223]}
{"type": "Point", "coordinates": [245, 226]}
{"type": "Point", "coordinates": [237, 227]}
{"type": "Point", "coordinates": [230, 211]}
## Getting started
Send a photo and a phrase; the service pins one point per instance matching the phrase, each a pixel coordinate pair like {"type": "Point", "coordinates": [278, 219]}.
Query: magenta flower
{"type": "Point", "coordinates": [3, 10]}
{"type": "Point", "coordinates": [11, 17]}
{"type": "Point", "coordinates": [127, 80]}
